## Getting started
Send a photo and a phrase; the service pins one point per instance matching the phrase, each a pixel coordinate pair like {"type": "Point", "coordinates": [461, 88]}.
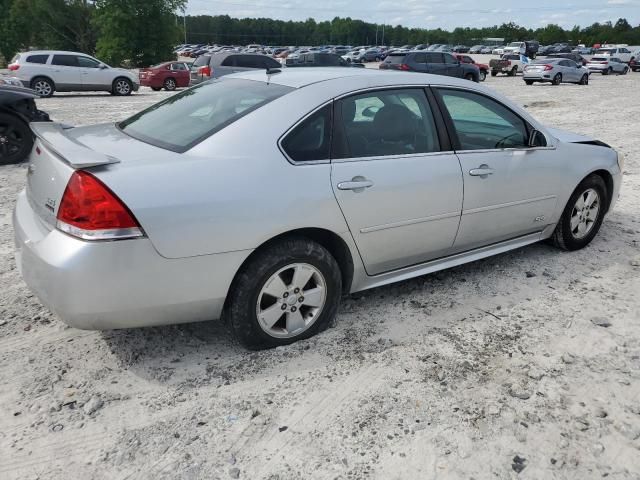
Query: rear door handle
{"type": "Point", "coordinates": [357, 184]}
{"type": "Point", "coordinates": [482, 171]}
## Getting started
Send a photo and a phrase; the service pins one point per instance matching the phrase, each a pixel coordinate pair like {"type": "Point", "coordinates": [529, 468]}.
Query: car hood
{"type": "Point", "coordinates": [569, 137]}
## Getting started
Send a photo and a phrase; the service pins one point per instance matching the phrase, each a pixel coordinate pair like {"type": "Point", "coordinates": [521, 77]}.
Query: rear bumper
{"type": "Point", "coordinates": [537, 76]}
{"type": "Point", "coordinates": [120, 284]}
{"type": "Point", "coordinates": [151, 82]}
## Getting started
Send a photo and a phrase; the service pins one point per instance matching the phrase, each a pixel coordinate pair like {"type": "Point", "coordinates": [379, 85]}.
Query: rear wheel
{"type": "Point", "coordinates": [287, 292]}
{"type": "Point", "coordinates": [483, 75]}
{"type": "Point", "coordinates": [16, 139]}
{"type": "Point", "coordinates": [557, 80]}
{"type": "Point", "coordinates": [469, 76]}
{"type": "Point", "coordinates": [607, 71]}
{"type": "Point", "coordinates": [583, 215]}
{"type": "Point", "coordinates": [43, 87]}
{"type": "Point", "coordinates": [529, 82]}
{"type": "Point", "coordinates": [169, 84]}
{"type": "Point", "coordinates": [494, 73]}
{"type": "Point", "coordinates": [584, 80]}
{"type": "Point", "coordinates": [625, 71]}
{"type": "Point", "coordinates": [122, 87]}
{"type": "Point", "coordinates": [513, 72]}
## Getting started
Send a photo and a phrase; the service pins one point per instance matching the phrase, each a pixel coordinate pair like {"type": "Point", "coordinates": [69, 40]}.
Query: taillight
{"type": "Point", "coordinates": [206, 71]}
{"type": "Point", "coordinates": [404, 66]}
{"type": "Point", "coordinates": [508, 62]}
{"type": "Point", "coordinates": [89, 210]}
{"type": "Point", "coordinates": [548, 67]}
{"type": "Point", "coordinates": [13, 67]}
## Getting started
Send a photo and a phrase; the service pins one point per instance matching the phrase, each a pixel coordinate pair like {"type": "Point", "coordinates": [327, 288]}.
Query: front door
{"type": "Point", "coordinates": [510, 189]}
{"type": "Point", "coordinates": [399, 192]}
{"type": "Point", "coordinates": [93, 76]}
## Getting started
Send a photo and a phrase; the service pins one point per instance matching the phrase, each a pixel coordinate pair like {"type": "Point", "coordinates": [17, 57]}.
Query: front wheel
{"type": "Point", "coordinates": [625, 71]}
{"type": "Point", "coordinates": [482, 75]}
{"type": "Point", "coordinates": [43, 87]}
{"type": "Point", "coordinates": [122, 87]}
{"type": "Point", "coordinates": [494, 73]}
{"type": "Point", "coordinates": [513, 72]}
{"type": "Point", "coordinates": [584, 80]}
{"type": "Point", "coordinates": [529, 82]}
{"type": "Point", "coordinates": [557, 80]}
{"type": "Point", "coordinates": [583, 215]}
{"type": "Point", "coordinates": [287, 292]}
{"type": "Point", "coordinates": [469, 76]}
{"type": "Point", "coordinates": [16, 139]}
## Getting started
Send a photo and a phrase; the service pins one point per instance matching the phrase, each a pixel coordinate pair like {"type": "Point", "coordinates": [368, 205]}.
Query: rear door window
{"type": "Point", "coordinates": [449, 59]}
{"type": "Point", "coordinates": [434, 57]}
{"type": "Point", "coordinates": [311, 139]}
{"type": "Point", "coordinates": [384, 123]}
{"type": "Point", "coordinates": [65, 60]}
{"type": "Point", "coordinates": [420, 57]}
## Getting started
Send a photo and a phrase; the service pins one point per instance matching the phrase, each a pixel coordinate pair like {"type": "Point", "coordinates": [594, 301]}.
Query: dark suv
{"type": "Point", "coordinates": [438, 63]}
{"type": "Point", "coordinates": [317, 59]}
{"type": "Point", "coordinates": [219, 64]}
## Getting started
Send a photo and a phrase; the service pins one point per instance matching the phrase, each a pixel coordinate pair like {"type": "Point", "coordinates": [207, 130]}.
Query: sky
{"type": "Point", "coordinates": [430, 13]}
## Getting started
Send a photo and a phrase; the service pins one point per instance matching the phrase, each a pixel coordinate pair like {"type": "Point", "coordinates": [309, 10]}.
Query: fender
{"type": "Point", "coordinates": [20, 101]}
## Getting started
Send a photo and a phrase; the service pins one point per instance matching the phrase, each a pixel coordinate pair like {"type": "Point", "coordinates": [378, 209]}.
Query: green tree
{"type": "Point", "coordinates": [137, 32]}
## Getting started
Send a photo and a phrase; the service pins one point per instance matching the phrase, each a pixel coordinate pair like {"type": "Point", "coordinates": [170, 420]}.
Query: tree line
{"type": "Point", "coordinates": [143, 32]}
{"type": "Point", "coordinates": [223, 29]}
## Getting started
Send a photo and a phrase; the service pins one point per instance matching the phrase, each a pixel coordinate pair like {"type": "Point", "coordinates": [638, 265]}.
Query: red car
{"type": "Point", "coordinates": [484, 69]}
{"type": "Point", "coordinates": [169, 75]}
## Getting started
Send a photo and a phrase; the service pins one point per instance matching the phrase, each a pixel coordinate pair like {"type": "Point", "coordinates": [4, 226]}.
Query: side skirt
{"type": "Point", "coordinates": [448, 262]}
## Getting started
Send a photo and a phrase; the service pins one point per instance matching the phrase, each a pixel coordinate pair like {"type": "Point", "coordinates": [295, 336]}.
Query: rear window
{"type": "Point", "coordinates": [599, 59]}
{"type": "Point", "coordinates": [395, 58]}
{"type": "Point", "coordinates": [37, 58]}
{"type": "Point", "coordinates": [201, 61]}
{"type": "Point", "coordinates": [199, 112]}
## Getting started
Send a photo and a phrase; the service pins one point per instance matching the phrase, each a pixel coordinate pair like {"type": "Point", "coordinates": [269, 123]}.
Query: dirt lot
{"type": "Point", "coordinates": [527, 362]}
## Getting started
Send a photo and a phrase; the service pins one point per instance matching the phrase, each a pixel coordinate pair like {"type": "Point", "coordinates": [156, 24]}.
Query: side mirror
{"type": "Point", "coordinates": [536, 139]}
{"type": "Point", "coordinates": [103, 66]}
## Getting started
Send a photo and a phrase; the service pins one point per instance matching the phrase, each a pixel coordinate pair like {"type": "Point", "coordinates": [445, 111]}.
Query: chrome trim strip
{"type": "Point", "coordinates": [391, 157]}
{"type": "Point", "coordinates": [404, 223]}
{"type": "Point", "coordinates": [508, 204]}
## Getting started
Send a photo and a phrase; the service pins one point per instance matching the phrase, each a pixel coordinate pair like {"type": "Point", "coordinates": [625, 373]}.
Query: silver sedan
{"type": "Point", "coordinates": [555, 71]}
{"type": "Point", "coordinates": [263, 199]}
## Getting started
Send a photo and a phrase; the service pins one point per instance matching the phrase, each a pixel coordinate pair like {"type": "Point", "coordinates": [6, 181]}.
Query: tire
{"type": "Point", "coordinates": [169, 84]}
{"type": "Point", "coordinates": [494, 73]}
{"type": "Point", "coordinates": [529, 82]}
{"type": "Point", "coordinates": [469, 76]}
{"type": "Point", "coordinates": [16, 139]}
{"type": "Point", "coordinates": [482, 75]}
{"type": "Point", "coordinates": [568, 238]}
{"type": "Point", "coordinates": [557, 79]}
{"type": "Point", "coordinates": [121, 87]}
{"type": "Point", "coordinates": [625, 71]}
{"type": "Point", "coordinates": [608, 71]}
{"type": "Point", "coordinates": [513, 72]}
{"type": "Point", "coordinates": [156, 89]}
{"type": "Point", "coordinates": [248, 294]}
{"type": "Point", "coordinates": [43, 87]}
{"type": "Point", "coordinates": [584, 80]}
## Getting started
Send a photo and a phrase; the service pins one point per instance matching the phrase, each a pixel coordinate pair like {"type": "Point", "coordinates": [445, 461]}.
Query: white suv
{"type": "Point", "coordinates": [50, 71]}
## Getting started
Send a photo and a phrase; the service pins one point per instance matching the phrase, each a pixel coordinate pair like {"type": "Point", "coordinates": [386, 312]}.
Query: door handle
{"type": "Point", "coordinates": [482, 171]}
{"type": "Point", "coordinates": [357, 184]}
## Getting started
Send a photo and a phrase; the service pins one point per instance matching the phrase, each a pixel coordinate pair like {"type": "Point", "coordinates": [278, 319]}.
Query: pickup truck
{"type": "Point", "coordinates": [510, 63]}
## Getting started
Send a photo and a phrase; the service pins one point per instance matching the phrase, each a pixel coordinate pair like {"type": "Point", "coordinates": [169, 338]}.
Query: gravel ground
{"type": "Point", "coordinates": [524, 365]}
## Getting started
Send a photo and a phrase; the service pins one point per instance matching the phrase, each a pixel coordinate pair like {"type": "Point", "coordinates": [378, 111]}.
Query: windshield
{"type": "Point", "coordinates": [182, 121]}
{"type": "Point", "coordinates": [515, 44]}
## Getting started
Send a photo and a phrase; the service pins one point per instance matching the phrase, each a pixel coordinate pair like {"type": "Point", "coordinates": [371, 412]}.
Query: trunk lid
{"type": "Point", "coordinates": [53, 159]}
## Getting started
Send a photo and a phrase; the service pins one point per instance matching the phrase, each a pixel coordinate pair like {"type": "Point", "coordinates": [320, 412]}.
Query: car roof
{"type": "Point", "coordinates": [302, 77]}
{"type": "Point", "coordinates": [53, 52]}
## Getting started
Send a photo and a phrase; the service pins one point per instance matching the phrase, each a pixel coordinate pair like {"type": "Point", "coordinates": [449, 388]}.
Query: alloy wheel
{"type": "Point", "coordinates": [122, 87]}
{"type": "Point", "coordinates": [291, 300]}
{"type": "Point", "coordinates": [585, 213]}
{"type": "Point", "coordinates": [170, 84]}
{"type": "Point", "coordinates": [42, 88]}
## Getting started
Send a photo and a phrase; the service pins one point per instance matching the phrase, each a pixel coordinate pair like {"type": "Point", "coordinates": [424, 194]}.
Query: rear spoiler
{"type": "Point", "coordinates": [69, 150]}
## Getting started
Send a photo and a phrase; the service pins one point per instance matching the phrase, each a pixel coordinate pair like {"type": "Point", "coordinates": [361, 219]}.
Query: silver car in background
{"type": "Point", "coordinates": [263, 199]}
{"type": "Point", "coordinates": [607, 65]}
{"type": "Point", "coordinates": [555, 71]}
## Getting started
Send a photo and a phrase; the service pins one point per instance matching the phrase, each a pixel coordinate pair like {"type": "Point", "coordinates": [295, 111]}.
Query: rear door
{"type": "Point", "coordinates": [180, 72]}
{"type": "Point", "coordinates": [66, 72]}
{"type": "Point", "coordinates": [435, 63]}
{"type": "Point", "coordinates": [397, 181]}
{"type": "Point", "coordinates": [510, 189]}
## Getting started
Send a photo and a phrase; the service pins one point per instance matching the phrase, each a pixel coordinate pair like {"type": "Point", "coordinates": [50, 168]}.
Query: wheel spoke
{"type": "Point", "coordinates": [575, 221]}
{"type": "Point", "coordinates": [271, 315]}
{"type": "Point", "coordinates": [295, 321]}
{"type": "Point", "coordinates": [301, 276]}
{"type": "Point", "coordinates": [591, 197]}
{"type": "Point", "coordinates": [582, 228]}
{"type": "Point", "coordinates": [313, 297]}
{"type": "Point", "coordinates": [580, 202]}
{"type": "Point", "coordinates": [275, 287]}
{"type": "Point", "coordinates": [592, 214]}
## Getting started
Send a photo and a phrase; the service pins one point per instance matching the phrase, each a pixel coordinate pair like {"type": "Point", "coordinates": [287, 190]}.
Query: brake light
{"type": "Point", "coordinates": [404, 66]}
{"type": "Point", "coordinates": [90, 211]}
{"type": "Point", "coordinates": [206, 71]}
{"type": "Point", "coordinates": [508, 62]}
{"type": "Point", "coordinates": [548, 67]}
{"type": "Point", "coordinates": [13, 67]}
